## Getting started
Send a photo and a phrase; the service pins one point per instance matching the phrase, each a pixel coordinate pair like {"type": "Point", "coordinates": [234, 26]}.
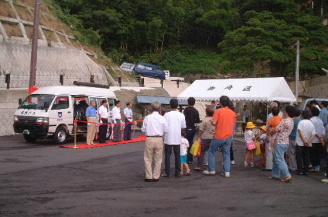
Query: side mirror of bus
{"type": "Point", "coordinates": [20, 101]}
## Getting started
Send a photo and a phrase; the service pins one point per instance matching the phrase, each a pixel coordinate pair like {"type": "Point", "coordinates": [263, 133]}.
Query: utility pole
{"type": "Point", "coordinates": [297, 70]}
{"type": "Point", "coordinates": [34, 53]}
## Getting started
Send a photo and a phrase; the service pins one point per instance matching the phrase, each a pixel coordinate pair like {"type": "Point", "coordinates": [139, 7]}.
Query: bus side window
{"type": "Point", "coordinates": [61, 102]}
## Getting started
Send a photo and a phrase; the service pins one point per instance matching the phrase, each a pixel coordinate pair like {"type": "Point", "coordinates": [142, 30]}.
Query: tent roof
{"type": "Point", "coordinates": [164, 100]}
{"type": "Point", "coordinates": [243, 89]}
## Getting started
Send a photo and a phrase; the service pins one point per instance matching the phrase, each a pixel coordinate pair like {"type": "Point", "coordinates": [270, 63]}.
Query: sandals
{"type": "Point", "coordinates": [273, 178]}
{"type": "Point", "coordinates": [245, 164]}
{"type": "Point", "coordinates": [287, 180]}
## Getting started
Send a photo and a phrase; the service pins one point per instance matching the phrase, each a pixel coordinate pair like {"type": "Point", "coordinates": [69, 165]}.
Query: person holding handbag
{"type": "Point", "coordinates": [250, 144]}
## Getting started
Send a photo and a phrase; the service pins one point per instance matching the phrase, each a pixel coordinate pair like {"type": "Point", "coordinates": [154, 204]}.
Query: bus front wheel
{"type": "Point", "coordinates": [60, 136]}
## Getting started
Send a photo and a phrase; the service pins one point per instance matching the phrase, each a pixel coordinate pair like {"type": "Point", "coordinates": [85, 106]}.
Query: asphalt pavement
{"type": "Point", "coordinates": [45, 180]}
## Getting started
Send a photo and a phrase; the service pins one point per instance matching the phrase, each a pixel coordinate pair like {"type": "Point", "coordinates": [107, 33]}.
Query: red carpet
{"type": "Point", "coordinates": [82, 146]}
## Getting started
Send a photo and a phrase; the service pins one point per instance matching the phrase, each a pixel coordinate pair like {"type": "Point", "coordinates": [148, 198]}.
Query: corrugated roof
{"type": "Point", "coordinates": [164, 100]}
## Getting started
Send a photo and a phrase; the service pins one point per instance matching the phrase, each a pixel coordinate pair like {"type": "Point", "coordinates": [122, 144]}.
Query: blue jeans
{"type": "Point", "coordinates": [279, 163]}
{"type": "Point", "coordinates": [215, 144]}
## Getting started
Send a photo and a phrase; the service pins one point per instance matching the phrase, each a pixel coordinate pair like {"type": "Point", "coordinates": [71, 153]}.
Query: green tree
{"type": "Point", "coordinates": [266, 42]}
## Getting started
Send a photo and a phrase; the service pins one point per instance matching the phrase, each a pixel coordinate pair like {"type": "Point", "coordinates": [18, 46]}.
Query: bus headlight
{"type": "Point", "coordinates": [42, 121]}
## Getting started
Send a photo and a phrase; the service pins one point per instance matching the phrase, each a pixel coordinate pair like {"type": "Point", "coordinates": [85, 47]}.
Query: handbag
{"type": "Point", "coordinates": [250, 145]}
{"type": "Point", "coordinates": [195, 149]}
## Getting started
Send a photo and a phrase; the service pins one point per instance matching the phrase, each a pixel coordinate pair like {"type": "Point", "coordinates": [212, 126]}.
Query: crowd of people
{"type": "Point", "coordinates": [290, 143]}
{"type": "Point", "coordinates": [110, 122]}
{"type": "Point", "coordinates": [177, 131]}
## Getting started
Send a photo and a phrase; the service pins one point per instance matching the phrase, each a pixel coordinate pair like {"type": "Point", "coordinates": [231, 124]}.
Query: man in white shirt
{"type": "Point", "coordinates": [172, 139]}
{"type": "Point", "coordinates": [304, 137]}
{"type": "Point", "coordinates": [154, 126]}
{"type": "Point", "coordinates": [317, 150]}
{"type": "Point", "coordinates": [103, 117]}
{"type": "Point", "coordinates": [117, 119]}
{"type": "Point", "coordinates": [128, 116]}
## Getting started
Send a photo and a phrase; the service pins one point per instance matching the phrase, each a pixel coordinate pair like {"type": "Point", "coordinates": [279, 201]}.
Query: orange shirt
{"type": "Point", "coordinates": [274, 121]}
{"type": "Point", "coordinates": [226, 119]}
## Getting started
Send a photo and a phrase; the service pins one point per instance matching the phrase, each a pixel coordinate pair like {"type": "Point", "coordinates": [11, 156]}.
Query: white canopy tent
{"type": "Point", "coordinates": [243, 89]}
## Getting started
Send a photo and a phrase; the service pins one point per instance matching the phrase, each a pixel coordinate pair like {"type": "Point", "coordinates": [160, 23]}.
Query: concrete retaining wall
{"type": "Point", "coordinates": [8, 106]}
{"type": "Point", "coordinates": [74, 65]}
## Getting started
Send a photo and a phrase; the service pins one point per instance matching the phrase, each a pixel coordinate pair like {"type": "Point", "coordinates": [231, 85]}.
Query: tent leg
{"type": "Point", "coordinates": [267, 109]}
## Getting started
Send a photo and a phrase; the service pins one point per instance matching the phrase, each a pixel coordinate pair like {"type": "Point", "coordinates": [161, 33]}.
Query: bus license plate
{"type": "Point", "coordinates": [26, 132]}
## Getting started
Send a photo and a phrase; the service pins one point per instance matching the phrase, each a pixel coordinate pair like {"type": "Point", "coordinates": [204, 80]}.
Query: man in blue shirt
{"type": "Point", "coordinates": [91, 114]}
{"type": "Point", "coordinates": [291, 152]}
{"type": "Point", "coordinates": [324, 112]}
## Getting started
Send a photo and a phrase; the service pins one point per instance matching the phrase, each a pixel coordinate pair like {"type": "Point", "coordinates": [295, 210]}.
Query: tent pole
{"type": "Point", "coordinates": [252, 111]}
{"type": "Point", "coordinates": [267, 109]}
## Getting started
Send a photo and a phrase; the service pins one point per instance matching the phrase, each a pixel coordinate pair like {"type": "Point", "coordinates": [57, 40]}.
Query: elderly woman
{"type": "Point", "coordinates": [205, 136]}
{"type": "Point", "coordinates": [280, 145]}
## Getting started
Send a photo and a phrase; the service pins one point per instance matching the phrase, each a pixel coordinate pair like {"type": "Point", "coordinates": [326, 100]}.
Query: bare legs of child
{"type": "Point", "coordinates": [186, 166]}
{"type": "Point", "coordinates": [249, 154]}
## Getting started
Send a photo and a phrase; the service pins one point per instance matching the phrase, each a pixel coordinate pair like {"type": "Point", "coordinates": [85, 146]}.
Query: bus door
{"type": "Point", "coordinates": [62, 112]}
{"type": "Point", "coordinates": [81, 103]}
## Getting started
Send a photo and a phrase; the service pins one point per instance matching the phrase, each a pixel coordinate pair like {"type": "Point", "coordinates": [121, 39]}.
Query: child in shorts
{"type": "Point", "coordinates": [183, 155]}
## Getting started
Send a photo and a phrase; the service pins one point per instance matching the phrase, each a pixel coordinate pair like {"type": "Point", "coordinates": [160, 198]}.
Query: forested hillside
{"type": "Point", "coordinates": [240, 37]}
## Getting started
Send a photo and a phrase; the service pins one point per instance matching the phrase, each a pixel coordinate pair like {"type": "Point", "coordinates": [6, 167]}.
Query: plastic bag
{"type": "Point", "coordinates": [195, 149]}
{"type": "Point", "coordinates": [258, 148]}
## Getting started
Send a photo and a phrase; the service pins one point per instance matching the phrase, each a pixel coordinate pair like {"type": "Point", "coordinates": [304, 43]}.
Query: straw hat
{"type": "Point", "coordinates": [250, 125]}
{"type": "Point", "coordinates": [264, 128]}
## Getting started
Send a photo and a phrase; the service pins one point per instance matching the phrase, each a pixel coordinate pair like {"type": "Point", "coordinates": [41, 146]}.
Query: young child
{"type": "Point", "coordinates": [262, 139]}
{"type": "Point", "coordinates": [273, 123]}
{"type": "Point", "coordinates": [183, 155]}
{"type": "Point", "coordinates": [249, 138]}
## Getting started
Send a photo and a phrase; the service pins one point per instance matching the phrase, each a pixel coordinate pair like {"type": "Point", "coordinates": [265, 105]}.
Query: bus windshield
{"type": "Point", "coordinates": [37, 101]}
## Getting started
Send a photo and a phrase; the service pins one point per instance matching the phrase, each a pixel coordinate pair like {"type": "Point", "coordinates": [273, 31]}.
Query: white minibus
{"type": "Point", "coordinates": [49, 112]}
